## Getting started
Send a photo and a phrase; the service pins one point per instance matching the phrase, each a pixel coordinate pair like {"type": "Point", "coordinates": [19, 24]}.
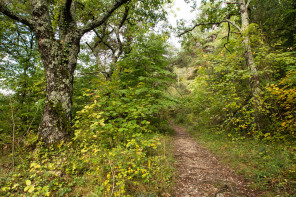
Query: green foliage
{"type": "Point", "coordinates": [270, 167]}
{"type": "Point", "coordinates": [118, 147]}
{"type": "Point", "coordinates": [147, 65]}
{"type": "Point", "coordinates": [221, 95]}
{"type": "Point", "coordinates": [5, 124]}
{"type": "Point", "coordinates": [115, 146]}
{"type": "Point", "coordinates": [278, 30]}
{"type": "Point", "coordinates": [84, 167]}
{"type": "Point", "coordinates": [22, 78]}
{"type": "Point", "coordinates": [221, 102]}
{"type": "Point", "coordinates": [134, 102]}
{"type": "Point", "coordinates": [85, 83]}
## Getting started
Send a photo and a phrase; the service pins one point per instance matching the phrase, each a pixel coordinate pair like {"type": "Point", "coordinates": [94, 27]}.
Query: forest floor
{"type": "Point", "coordinates": [200, 173]}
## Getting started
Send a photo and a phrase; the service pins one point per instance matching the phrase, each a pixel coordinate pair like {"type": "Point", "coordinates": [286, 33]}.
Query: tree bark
{"type": "Point", "coordinates": [56, 119]}
{"type": "Point", "coordinates": [59, 57]}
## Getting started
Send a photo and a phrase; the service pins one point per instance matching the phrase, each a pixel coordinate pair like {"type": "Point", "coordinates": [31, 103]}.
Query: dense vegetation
{"type": "Point", "coordinates": [117, 143]}
{"type": "Point", "coordinates": [254, 131]}
{"type": "Point", "coordinates": [232, 84]}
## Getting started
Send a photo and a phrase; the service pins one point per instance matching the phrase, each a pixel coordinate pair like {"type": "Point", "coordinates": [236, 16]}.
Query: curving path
{"type": "Point", "coordinates": [200, 174]}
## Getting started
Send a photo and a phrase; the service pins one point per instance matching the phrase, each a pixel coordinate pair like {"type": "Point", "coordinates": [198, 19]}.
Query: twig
{"type": "Point", "coordinates": [196, 25]}
{"type": "Point", "coordinates": [92, 50]}
{"type": "Point", "coordinates": [32, 121]}
{"type": "Point", "coordinates": [226, 47]}
{"type": "Point", "coordinates": [227, 38]}
{"type": "Point", "coordinates": [113, 178]}
{"type": "Point", "coordinates": [233, 23]}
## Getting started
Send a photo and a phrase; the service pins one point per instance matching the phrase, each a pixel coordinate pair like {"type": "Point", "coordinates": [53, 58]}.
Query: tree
{"type": "Point", "coordinates": [113, 40]}
{"type": "Point", "coordinates": [280, 28]}
{"type": "Point", "coordinates": [58, 27]}
{"type": "Point", "coordinates": [254, 81]}
{"type": "Point", "coordinates": [215, 15]}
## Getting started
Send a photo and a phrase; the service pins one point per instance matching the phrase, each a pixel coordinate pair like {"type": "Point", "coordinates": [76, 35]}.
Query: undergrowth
{"type": "Point", "coordinates": [270, 167]}
{"type": "Point", "coordinates": [129, 155]}
{"type": "Point", "coordinates": [141, 167]}
{"type": "Point", "coordinates": [120, 144]}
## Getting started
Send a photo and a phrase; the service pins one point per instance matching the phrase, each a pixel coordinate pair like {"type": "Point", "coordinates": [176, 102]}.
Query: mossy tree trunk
{"type": "Point", "coordinates": [59, 61]}
{"type": "Point", "coordinates": [254, 80]}
{"type": "Point", "coordinates": [59, 57]}
{"type": "Point", "coordinates": [58, 48]}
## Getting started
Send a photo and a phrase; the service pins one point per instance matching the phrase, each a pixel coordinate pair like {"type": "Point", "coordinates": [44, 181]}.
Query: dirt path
{"type": "Point", "coordinates": [200, 174]}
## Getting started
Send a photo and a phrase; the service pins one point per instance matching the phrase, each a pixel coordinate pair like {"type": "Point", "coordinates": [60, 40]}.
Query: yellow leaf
{"type": "Point", "coordinates": [31, 189]}
{"type": "Point", "coordinates": [26, 188]}
{"type": "Point", "coordinates": [15, 185]}
{"type": "Point", "coordinates": [33, 164]}
{"type": "Point", "coordinates": [267, 134]}
{"type": "Point", "coordinates": [28, 182]}
{"type": "Point", "coordinates": [4, 188]}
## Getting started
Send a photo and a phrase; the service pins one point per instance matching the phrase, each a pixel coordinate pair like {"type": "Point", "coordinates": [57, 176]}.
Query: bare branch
{"type": "Point", "coordinates": [15, 16]}
{"type": "Point", "coordinates": [124, 18]}
{"type": "Point", "coordinates": [125, 15]}
{"type": "Point", "coordinates": [228, 33]}
{"type": "Point", "coordinates": [67, 10]}
{"type": "Point", "coordinates": [197, 25]}
{"type": "Point", "coordinates": [226, 47]}
{"type": "Point", "coordinates": [248, 3]}
{"type": "Point", "coordinates": [102, 41]}
{"type": "Point", "coordinates": [90, 47]}
{"type": "Point", "coordinates": [232, 23]}
{"type": "Point", "coordinates": [98, 22]}
{"type": "Point", "coordinates": [216, 23]}
{"type": "Point", "coordinates": [232, 2]}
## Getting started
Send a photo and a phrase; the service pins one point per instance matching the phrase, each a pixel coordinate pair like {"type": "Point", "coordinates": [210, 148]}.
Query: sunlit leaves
{"type": "Point", "coordinates": [221, 93]}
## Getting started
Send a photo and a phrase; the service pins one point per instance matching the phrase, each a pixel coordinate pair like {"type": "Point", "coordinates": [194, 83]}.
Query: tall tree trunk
{"type": "Point", "coordinates": [59, 57]}
{"type": "Point", "coordinates": [254, 80]}
{"type": "Point", "coordinates": [59, 65]}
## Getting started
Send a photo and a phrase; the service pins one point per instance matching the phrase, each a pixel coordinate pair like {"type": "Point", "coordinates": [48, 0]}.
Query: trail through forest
{"type": "Point", "coordinates": [200, 173]}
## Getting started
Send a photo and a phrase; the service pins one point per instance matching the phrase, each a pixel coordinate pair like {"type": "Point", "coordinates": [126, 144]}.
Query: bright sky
{"type": "Point", "coordinates": [181, 10]}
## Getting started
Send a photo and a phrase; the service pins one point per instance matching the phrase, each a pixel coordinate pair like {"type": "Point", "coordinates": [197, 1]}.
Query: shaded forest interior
{"type": "Point", "coordinates": [88, 89]}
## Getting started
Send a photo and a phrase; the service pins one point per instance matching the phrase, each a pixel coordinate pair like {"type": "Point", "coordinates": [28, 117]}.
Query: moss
{"type": "Point", "coordinates": [65, 122]}
{"type": "Point", "coordinates": [61, 121]}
